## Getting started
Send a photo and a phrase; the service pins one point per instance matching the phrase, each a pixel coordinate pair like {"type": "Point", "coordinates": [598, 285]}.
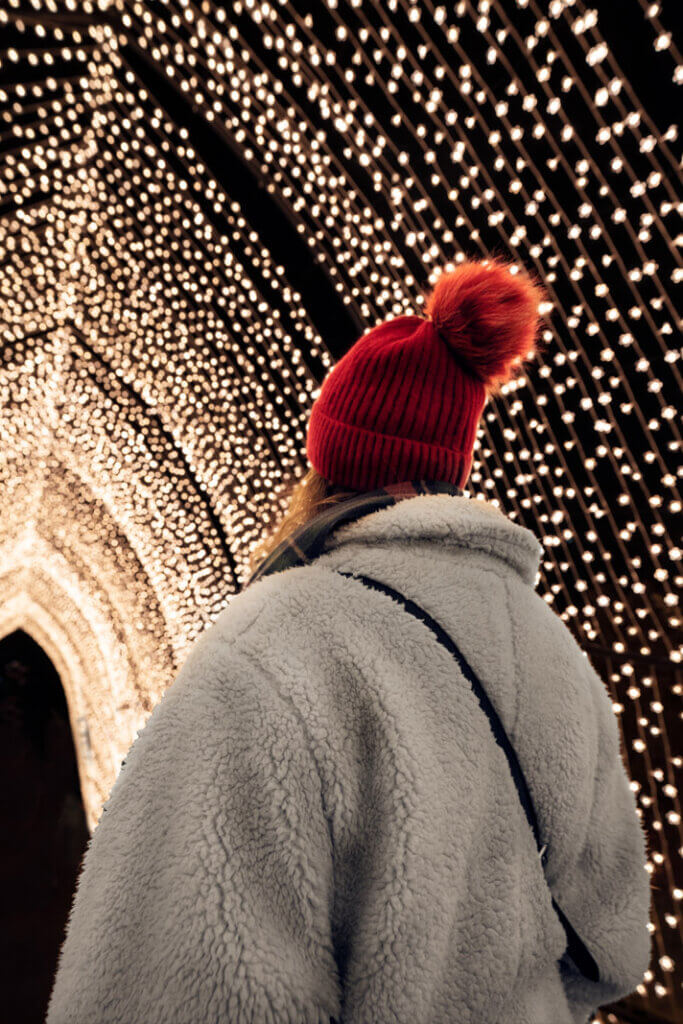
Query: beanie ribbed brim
{"type": "Point", "coordinates": [349, 455]}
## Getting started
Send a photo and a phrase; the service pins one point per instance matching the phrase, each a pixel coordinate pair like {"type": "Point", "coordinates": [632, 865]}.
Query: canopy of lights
{"type": "Point", "coordinates": [202, 207]}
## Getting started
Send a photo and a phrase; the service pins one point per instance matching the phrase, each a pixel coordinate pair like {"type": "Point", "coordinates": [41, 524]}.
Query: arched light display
{"type": "Point", "coordinates": [203, 206]}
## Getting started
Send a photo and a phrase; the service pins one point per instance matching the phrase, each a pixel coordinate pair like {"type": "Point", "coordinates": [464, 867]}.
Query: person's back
{"type": "Point", "coordinates": [494, 948]}
{"type": "Point", "coordinates": [317, 822]}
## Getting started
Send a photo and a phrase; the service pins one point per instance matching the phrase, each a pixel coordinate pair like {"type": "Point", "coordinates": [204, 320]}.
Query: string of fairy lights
{"type": "Point", "coordinates": [202, 206]}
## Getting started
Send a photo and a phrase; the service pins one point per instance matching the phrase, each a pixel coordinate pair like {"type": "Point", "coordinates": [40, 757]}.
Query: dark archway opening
{"type": "Point", "coordinates": [43, 827]}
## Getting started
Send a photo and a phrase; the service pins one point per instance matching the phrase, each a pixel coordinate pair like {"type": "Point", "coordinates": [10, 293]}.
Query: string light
{"type": "Point", "coordinates": [163, 342]}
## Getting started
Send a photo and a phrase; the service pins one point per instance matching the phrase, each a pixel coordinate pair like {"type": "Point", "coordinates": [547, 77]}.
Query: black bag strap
{"type": "Point", "coordinates": [575, 946]}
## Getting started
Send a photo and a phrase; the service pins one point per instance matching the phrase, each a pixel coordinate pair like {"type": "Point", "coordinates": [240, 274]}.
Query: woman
{"type": "Point", "coordinates": [322, 819]}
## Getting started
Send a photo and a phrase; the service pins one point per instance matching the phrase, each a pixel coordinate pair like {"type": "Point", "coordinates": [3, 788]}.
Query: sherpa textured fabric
{"type": "Point", "coordinates": [316, 822]}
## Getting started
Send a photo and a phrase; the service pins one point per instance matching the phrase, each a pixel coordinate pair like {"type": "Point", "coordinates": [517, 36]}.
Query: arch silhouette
{"type": "Point", "coordinates": [44, 824]}
{"type": "Point", "coordinates": [80, 681]}
{"type": "Point", "coordinates": [111, 672]}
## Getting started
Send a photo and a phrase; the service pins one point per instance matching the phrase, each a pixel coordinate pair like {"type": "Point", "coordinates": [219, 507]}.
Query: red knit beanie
{"type": "Point", "coordinates": [404, 402]}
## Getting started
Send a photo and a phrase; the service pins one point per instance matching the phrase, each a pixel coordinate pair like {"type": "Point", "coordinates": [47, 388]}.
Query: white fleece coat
{"type": "Point", "coordinates": [316, 821]}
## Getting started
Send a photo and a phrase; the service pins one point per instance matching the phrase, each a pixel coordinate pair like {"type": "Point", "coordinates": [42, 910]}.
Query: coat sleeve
{"type": "Point", "coordinates": [206, 888]}
{"type": "Point", "coordinates": [613, 885]}
{"type": "Point", "coordinates": [605, 888]}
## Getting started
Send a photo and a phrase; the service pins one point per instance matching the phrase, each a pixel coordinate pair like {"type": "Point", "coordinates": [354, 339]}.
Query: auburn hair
{"type": "Point", "coordinates": [307, 497]}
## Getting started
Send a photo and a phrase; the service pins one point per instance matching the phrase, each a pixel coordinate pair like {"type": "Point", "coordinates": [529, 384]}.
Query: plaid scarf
{"type": "Point", "coordinates": [306, 543]}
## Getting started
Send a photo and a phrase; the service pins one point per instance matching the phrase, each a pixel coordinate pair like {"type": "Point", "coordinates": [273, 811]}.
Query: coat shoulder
{"type": "Point", "coordinates": [304, 594]}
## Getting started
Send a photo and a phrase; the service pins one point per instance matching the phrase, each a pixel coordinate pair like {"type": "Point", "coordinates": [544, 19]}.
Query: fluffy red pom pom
{"type": "Point", "coordinates": [488, 316]}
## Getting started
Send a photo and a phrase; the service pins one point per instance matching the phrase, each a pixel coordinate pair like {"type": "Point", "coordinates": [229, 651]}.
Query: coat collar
{"type": "Point", "coordinates": [307, 542]}
{"type": "Point", "coordinates": [457, 521]}
{"type": "Point", "coordinates": [437, 510]}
